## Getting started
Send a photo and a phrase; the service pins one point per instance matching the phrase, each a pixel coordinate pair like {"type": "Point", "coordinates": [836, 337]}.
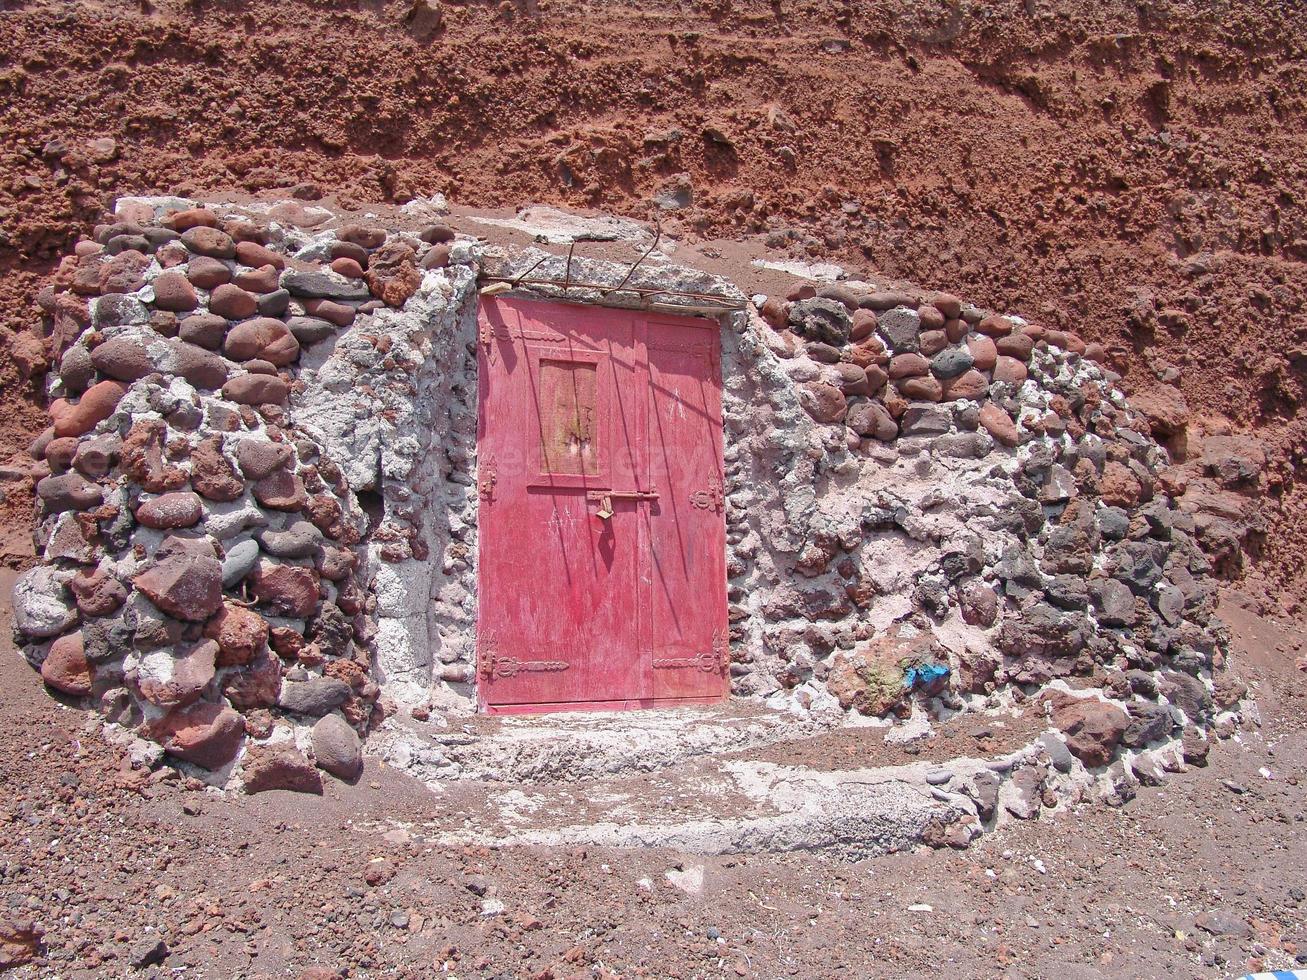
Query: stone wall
{"type": "Point", "coordinates": [258, 506]}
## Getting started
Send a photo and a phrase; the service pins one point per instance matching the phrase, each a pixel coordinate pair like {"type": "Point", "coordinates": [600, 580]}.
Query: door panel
{"type": "Point", "coordinates": [687, 546]}
{"type": "Point", "coordinates": [589, 587]}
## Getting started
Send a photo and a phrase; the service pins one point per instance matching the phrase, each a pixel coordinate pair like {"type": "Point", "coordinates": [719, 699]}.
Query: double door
{"type": "Point", "coordinates": [601, 528]}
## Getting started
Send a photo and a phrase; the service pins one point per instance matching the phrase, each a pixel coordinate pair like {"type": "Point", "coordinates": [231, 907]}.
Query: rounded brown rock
{"type": "Point", "coordinates": [171, 511]}
{"type": "Point", "coordinates": [174, 292]}
{"type": "Point", "coordinates": [264, 338]}
{"type": "Point", "coordinates": [255, 389]}
{"type": "Point", "coordinates": [232, 302]}
{"type": "Point", "coordinates": [207, 273]}
{"type": "Point", "coordinates": [203, 240]}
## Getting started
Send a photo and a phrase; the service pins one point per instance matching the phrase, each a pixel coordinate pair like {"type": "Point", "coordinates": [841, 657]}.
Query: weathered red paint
{"type": "Point", "coordinates": [586, 412]}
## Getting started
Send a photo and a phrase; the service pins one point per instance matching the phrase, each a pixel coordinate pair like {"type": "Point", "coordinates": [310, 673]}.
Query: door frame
{"type": "Point", "coordinates": [486, 644]}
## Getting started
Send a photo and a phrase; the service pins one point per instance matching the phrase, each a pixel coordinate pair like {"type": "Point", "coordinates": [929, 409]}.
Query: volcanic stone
{"type": "Point", "coordinates": [65, 667]}
{"type": "Point", "coordinates": [189, 218]}
{"type": "Point", "coordinates": [68, 491]}
{"type": "Point", "coordinates": [969, 385]}
{"type": "Point", "coordinates": [96, 405]}
{"type": "Point", "coordinates": [998, 424]}
{"type": "Point", "coordinates": [310, 329]}
{"type": "Point", "coordinates": [255, 686]}
{"type": "Point", "coordinates": [240, 634]}
{"type": "Point", "coordinates": [255, 389]}
{"type": "Point", "coordinates": [171, 510]}
{"type": "Point", "coordinates": [300, 540]}
{"type": "Point", "coordinates": [122, 358]}
{"type": "Point", "coordinates": [337, 749]}
{"type": "Point", "coordinates": [323, 285]}
{"type": "Point", "coordinates": [289, 589]}
{"type": "Point", "coordinates": [232, 302]}
{"type": "Point", "coordinates": [255, 255]}
{"type": "Point", "coordinates": [1016, 345]}
{"type": "Point", "coordinates": [97, 592]}
{"type": "Point", "coordinates": [240, 561]}
{"type": "Point", "coordinates": [921, 389]}
{"type": "Point", "coordinates": [260, 281]}
{"type": "Point", "coordinates": [41, 606]}
{"type": "Point", "coordinates": [203, 240]}
{"type": "Point", "coordinates": [169, 682]}
{"type": "Point", "coordinates": [951, 363]}
{"type": "Point", "coordinates": [1148, 723]}
{"type": "Point", "coordinates": [901, 328]}
{"type": "Point", "coordinates": [871, 419]}
{"type": "Point", "coordinates": [205, 734]}
{"type": "Point", "coordinates": [1093, 729]}
{"type": "Point", "coordinates": [1009, 370]}
{"type": "Point", "coordinates": [824, 402]}
{"type": "Point", "coordinates": [274, 303]}
{"type": "Point", "coordinates": [174, 292]}
{"type": "Point", "coordinates": [259, 458]}
{"type": "Point", "coordinates": [76, 370]}
{"type": "Point", "coordinates": [211, 475]}
{"type": "Point", "coordinates": [269, 767]}
{"type": "Point", "coordinates": [204, 330]}
{"type": "Point", "coordinates": [337, 313]}
{"type": "Point", "coordinates": [995, 326]}
{"type": "Point", "coordinates": [207, 273]}
{"type": "Point", "coordinates": [263, 337]}
{"type": "Point", "coordinates": [347, 266]}
{"type": "Point", "coordinates": [314, 697]}
{"type": "Point", "coordinates": [186, 586]}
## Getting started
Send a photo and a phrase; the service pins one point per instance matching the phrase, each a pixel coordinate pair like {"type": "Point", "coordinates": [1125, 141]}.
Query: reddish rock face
{"type": "Point", "coordinates": [204, 330]}
{"type": "Point", "coordinates": [207, 273]}
{"type": "Point", "coordinates": [1164, 408]}
{"type": "Point", "coordinates": [143, 458]}
{"type": "Point", "coordinates": [824, 402]}
{"type": "Point", "coordinates": [280, 767]}
{"type": "Point", "coordinates": [282, 490]}
{"type": "Point", "coordinates": [240, 633]}
{"type": "Point", "coordinates": [232, 302]}
{"type": "Point", "coordinates": [1016, 345]}
{"type": "Point", "coordinates": [171, 510]}
{"type": "Point", "coordinates": [263, 338]}
{"type": "Point", "coordinates": [180, 221]}
{"type": "Point", "coordinates": [392, 274]}
{"type": "Point", "coordinates": [325, 309]}
{"type": "Point", "coordinates": [1118, 486]}
{"type": "Point", "coordinates": [1093, 729]}
{"type": "Point", "coordinates": [206, 734]}
{"type": "Point", "coordinates": [66, 668]}
{"type": "Point", "coordinates": [211, 475]}
{"type": "Point", "coordinates": [93, 408]}
{"type": "Point", "coordinates": [922, 389]}
{"type": "Point", "coordinates": [288, 589]}
{"type": "Point", "coordinates": [123, 358]}
{"type": "Point", "coordinates": [255, 255]}
{"type": "Point", "coordinates": [1009, 370]}
{"type": "Point", "coordinates": [185, 586]}
{"type": "Point", "coordinates": [174, 292]}
{"type": "Point", "coordinates": [970, 384]}
{"type": "Point", "coordinates": [255, 686]}
{"type": "Point", "coordinates": [909, 365]}
{"type": "Point", "coordinates": [995, 326]}
{"type": "Point", "coordinates": [204, 240]}
{"type": "Point", "coordinates": [260, 280]}
{"type": "Point", "coordinates": [97, 592]}
{"type": "Point", "coordinates": [190, 675]}
{"type": "Point", "coordinates": [256, 389]}
{"type": "Point", "coordinates": [347, 267]}
{"type": "Point", "coordinates": [999, 424]}
{"type": "Point", "coordinates": [984, 353]}
{"type": "Point", "coordinates": [872, 419]}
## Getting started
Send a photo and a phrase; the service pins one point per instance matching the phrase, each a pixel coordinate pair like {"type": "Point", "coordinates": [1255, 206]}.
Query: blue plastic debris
{"type": "Point", "coordinates": [924, 675]}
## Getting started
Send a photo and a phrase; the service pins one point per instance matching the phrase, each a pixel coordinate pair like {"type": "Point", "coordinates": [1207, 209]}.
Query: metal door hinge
{"type": "Point", "coordinates": [714, 661]}
{"type": "Point", "coordinates": [490, 664]}
{"type": "Point", "coordinates": [709, 499]}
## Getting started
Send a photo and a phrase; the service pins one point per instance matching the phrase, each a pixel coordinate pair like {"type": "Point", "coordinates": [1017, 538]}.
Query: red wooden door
{"type": "Point", "coordinates": [601, 535]}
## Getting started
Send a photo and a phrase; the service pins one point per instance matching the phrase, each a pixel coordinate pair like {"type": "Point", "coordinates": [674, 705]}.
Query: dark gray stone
{"type": "Point", "coordinates": [324, 285]}
{"type": "Point", "coordinates": [823, 320]}
{"type": "Point", "coordinates": [901, 328]}
{"type": "Point", "coordinates": [925, 420]}
{"type": "Point", "coordinates": [240, 561]}
{"type": "Point", "coordinates": [314, 697]}
{"type": "Point", "coordinates": [1148, 723]}
{"type": "Point", "coordinates": [310, 329]}
{"type": "Point", "coordinates": [951, 362]}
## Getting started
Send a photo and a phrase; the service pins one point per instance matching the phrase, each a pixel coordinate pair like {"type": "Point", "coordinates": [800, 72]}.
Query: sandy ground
{"type": "Point", "coordinates": [110, 863]}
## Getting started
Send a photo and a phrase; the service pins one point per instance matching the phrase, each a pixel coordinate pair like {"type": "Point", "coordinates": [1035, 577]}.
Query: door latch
{"type": "Point", "coordinates": [605, 499]}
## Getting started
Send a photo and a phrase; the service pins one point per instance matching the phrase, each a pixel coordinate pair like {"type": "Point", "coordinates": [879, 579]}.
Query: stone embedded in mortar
{"type": "Point", "coordinates": [392, 273]}
{"type": "Point", "coordinates": [314, 697]}
{"type": "Point", "coordinates": [281, 490]}
{"type": "Point", "coordinates": [1093, 729]}
{"type": "Point", "coordinates": [95, 405]}
{"type": "Point", "coordinates": [823, 320]}
{"type": "Point", "coordinates": [336, 748]}
{"type": "Point", "coordinates": [263, 338]}
{"type": "Point", "coordinates": [901, 328]}
{"type": "Point", "coordinates": [256, 389]}
{"type": "Point", "coordinates": [239, 562]}
{"type": "Point", "coordinates": [212, 476]}
{"type": "Point", "coordinates": [66, 668]}
{"type": "Point", "coordinates": [232, 302]}
{"type": "Point", "coordinates": [68, 491]}
{"type": "Point", "coordinates": [269, 767]}
{"type": "Point", "coordinates": [203, 240]}
{"type": "Point", "coordinates": [97, 592]}
{"type": "Point", "coordinates": [41, 606]}
{"type": "Point", "coordinates": [322, 284]}
{"type": "Point", "coordinates": [204, 330]}
{"type": "Point", "coordinates": [143, 458]}
{"type": "Point", "coordinates": [186, 586]}
{"type": "Point", "coordinates": [174, 292]}
{"type": "Point", "coordinates": [205, 734]}
{"type": "Point", "coordinates": [824, 402]}
{"type": "Point", "coordinates": [171, 511]}
{"type": "Point", "coordinates": [290, 590]}
{"type": "Point", "coordinates": [166, 681]}
{"type": "Point", "coordinates": [240, 633]}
